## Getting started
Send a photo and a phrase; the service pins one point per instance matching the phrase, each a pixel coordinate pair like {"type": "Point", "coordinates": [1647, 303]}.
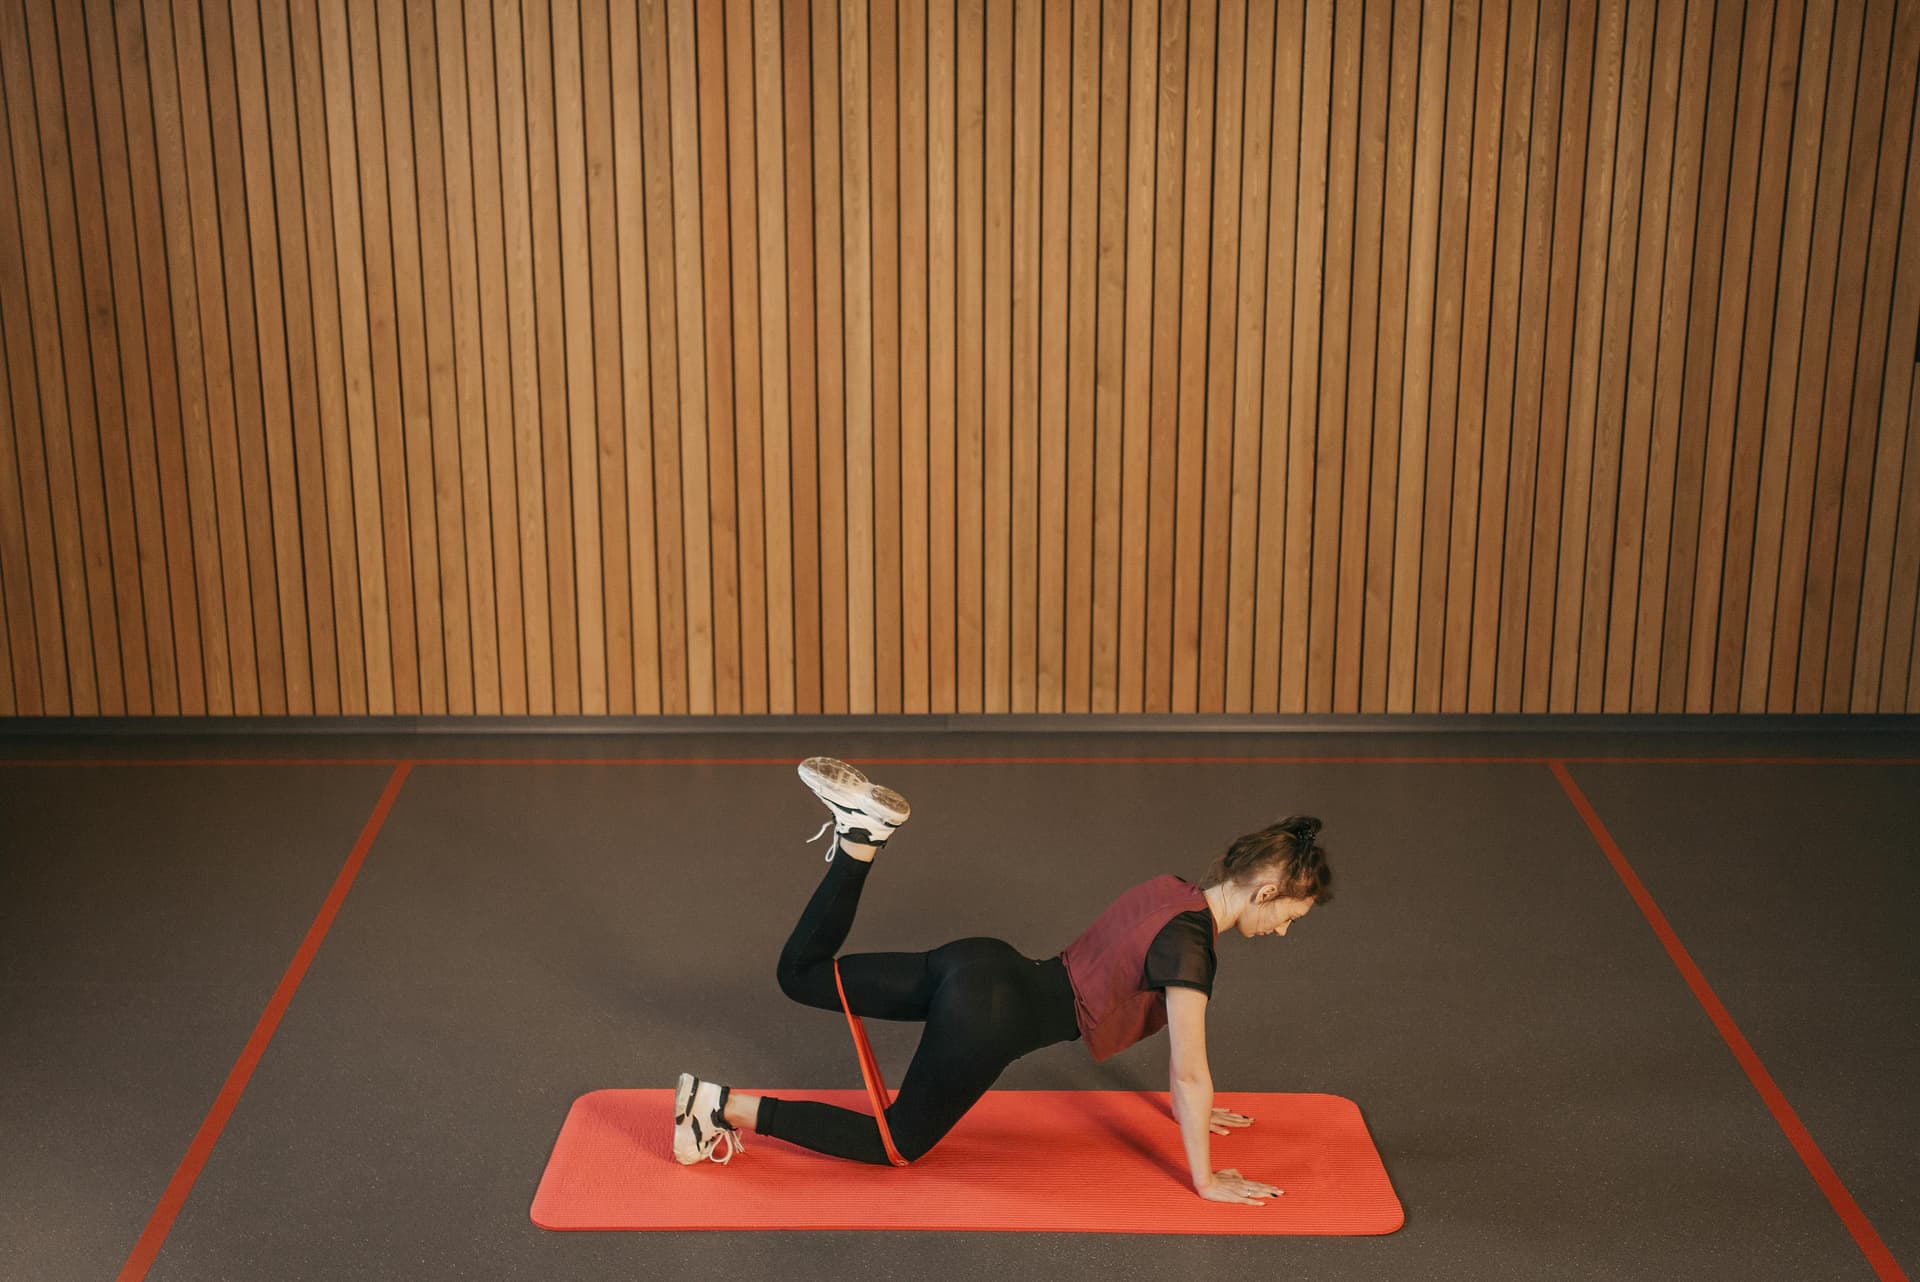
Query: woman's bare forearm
{"type": "Point", "coordinates": [1193, 1109]}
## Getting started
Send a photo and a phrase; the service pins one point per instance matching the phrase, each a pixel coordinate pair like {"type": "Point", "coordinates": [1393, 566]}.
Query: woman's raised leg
{"type": "Point", "coordinates": [879, 985]}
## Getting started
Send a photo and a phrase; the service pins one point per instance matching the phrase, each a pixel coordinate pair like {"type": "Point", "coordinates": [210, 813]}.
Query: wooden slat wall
{"type": "Point", "coordinates": [676, 356]}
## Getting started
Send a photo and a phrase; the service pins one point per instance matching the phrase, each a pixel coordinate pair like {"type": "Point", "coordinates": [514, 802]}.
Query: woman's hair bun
{"type": "Point", "coordinates": [1302, 828]}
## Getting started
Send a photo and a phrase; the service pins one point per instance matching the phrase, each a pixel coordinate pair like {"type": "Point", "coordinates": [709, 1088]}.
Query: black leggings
{"type": "Point", "coordinates": [984, 1005]}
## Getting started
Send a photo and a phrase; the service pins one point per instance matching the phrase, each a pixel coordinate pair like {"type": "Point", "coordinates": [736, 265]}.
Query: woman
{"type": "Point", "coordinates": [1146, 963]}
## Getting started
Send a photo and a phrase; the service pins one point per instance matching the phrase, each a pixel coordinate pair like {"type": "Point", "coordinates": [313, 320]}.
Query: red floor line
{"type": "Point", "coordinates": [789, 761]}
{"type": "Point", "coordinates": [1737, 761]}
{"type": "Point", "coordinates": [160, 1223]}
{"type": "Point", "coordinates": [1884, 1265]}
{"type": "Point", "coordinates": [1297, 760]}
{"type": "Point", "coordinates": [73, 762]}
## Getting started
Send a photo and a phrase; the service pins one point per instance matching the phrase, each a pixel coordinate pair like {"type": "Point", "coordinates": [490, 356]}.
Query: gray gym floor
{"type": "Point", "coordinates": [1550, 1097]}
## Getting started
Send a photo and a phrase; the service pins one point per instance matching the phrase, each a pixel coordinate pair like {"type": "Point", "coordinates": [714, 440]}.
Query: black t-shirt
{"type": "Point", "coordinates": [1182, 953]}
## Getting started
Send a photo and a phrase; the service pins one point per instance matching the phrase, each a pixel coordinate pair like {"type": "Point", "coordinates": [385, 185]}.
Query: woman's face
{"type": "Point", "coordinates": [1270, 913]}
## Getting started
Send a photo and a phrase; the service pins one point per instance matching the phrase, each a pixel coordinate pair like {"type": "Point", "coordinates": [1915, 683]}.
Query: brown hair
{"type": "Point", "coordinates": [1286, 852]}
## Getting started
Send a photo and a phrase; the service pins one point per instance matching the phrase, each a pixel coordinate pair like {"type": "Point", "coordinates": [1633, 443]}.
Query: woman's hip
{"type": "Point", "coordinates": [1020, 1003]}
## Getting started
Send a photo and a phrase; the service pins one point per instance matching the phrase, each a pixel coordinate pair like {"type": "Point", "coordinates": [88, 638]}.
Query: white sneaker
{"type": "Point", "coordinates": [699, 1122]}
{"type": "Point", "coordinates": [863, 811]}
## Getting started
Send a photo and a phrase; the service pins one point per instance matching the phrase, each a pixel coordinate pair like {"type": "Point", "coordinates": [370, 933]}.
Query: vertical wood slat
{"type": "Point", "coordinates": [1664, 460]}
{"type": "Point", "coordinates": [776, 411]}
{"type": "Point", "coordinates": [1610, 523]}
{"type": "Point", "coordinates": [1859, 622]}
{"type": "Point", "coordinates": [576, 673]}
{"type": "Point", "coordinates": [382, 600]}
{"type": "Point", "coordinates": [1506, 155]}
{"type": "Point", "coordinates": [8, 705]}
{"type": "Point", "coordinates": [445, 654]}
{"type": "Point", "coordinates": [917, 619]}
{"type": "Point", "coordinates": [26, 689]}
{"type": "Point", "coordinates": [1143, 100]}
{"type": "Point", "coordinates": [1189, 475]}
{"type": "Point", "coordinates": [1887, 598]}
{"type": "Point", "coordinates": [889, 474]}
{"type": "Point", "coordinates": [1747, 524]}
{"type": "Point", "coordinates": [1162, 411]}
{"type": "Point", "coordinates": [1588, 433]}
{"type": "Point", "coordinates": [73, 455]}
{"type": "Point", "coordinates": [1396, 229]}
{"type": "Point", "coordinates": [108, 490]}
{"type": "Point", "coordinates": [1695, 377]}
{"type": "Point", "coordinates": [265, 64]}
{"type": "Point", "coordinates": [969, 356]}
{"type": "Point", "coordinates": [634, 426]}
{"type": "Point", "coordinates": [749, 453]}
{"type": "Point", "coordinates": [857, 300]}
{"type": "Point", "coordinates": [1834, 574]}
{"type": "Point", "coordinates": [520, 644]}
{"type": "Point", "coordinates": [1109, 357]}
{"type": "Point", "coordinates": [594, 373]}
{"type": "Point", "coordinates": [1556, 396]}
{"type": "Point", "coordinates": [1082, 313]}
{"type": "Point", "coordinates": [283, 664]}
{"type": "Point", "coordinates": [1800, 167]}
{"type": "Point", "coordinates": [1163, 355]}
{"type": "Point", "coordinates": [1639, 457]}
{"type": "Point", "coordinates": [1548, 60]}
{"type": "Point", "coordinates": [387, 437]}
{"type": "Point", "coordinates": [1288, 349]}
{"type": "Point", "coordinates": [1477, 481]}
{"type": "Point", "coordinates": [1705, 691]}
{"type": "Point", "coordinates": [996, 354]}
{"type": "Point", "coordinates": [218, 604]}
{"type": "Point", "coordinates": [830, 339]}
{"type": "Point", "coordinates": [1251, 433]}
{"type": "Point", "coordinates": [809, 661]}
{"type": "Point", "coordinates": [1423, 266]}
{"type": "Point", "coordinates": [437, 54]}
{"type": "Point", "coordinates": [100, 73]}
{"type": "Point", "coordinates": [1024, 378]}
{"type": "Point", "coordinates": [1445, 495]}
{"type": "Point", "coordinates": [943, 622]}
{"type": "Point", "coordinates": [697, 497]}
{"type": "Point", "coordinates": [310, 278]}
{"type": "Point", "coordinates": [57, 558]}
{"type": "Point", "coordinates": [1356, 365]}
{"type": "Point", "coordinates": [662, 329]}
{"type": "Point", "coordinates": [1336, 467]}
{"type": "Point", "coordinates": [308, 638]}
{"type": "Point", "coordinates": [1813, 465]}
{"type": "Point", "coordinates": [708, 183]}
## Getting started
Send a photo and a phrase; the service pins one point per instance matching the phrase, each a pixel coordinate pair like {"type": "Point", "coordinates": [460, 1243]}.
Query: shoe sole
{"type": "Point", "coordinates": [682, 1101]}
{"type": "Point", "coordinates": [837, 781]}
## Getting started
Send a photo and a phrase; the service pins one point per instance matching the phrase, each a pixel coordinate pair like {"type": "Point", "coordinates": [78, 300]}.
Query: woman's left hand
{"type": "Point", "coordinates": [1226, 1117]}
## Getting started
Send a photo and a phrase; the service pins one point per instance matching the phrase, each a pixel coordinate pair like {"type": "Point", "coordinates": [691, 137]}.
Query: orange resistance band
{"type": "Point", "coordinates": [870, 1070]}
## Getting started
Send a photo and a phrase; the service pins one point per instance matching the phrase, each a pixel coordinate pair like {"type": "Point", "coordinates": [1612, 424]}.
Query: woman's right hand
{"type": "Point", "coordinates": [1231, 1186]}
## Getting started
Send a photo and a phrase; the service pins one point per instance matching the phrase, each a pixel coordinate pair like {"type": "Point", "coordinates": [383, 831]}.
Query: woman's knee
{"type": "Point", "coordinates": [912, 1144]}
{"type": "Point", "coordinates": [802, 981]}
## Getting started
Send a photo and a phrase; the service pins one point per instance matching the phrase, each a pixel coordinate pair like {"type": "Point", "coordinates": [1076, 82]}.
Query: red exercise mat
{"type": "Point", "coordinates": [1019, 1161]}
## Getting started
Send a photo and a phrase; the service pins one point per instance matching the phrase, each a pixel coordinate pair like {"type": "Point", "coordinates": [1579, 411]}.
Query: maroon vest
{"type": "Point", "coordinates": [1107, 964]}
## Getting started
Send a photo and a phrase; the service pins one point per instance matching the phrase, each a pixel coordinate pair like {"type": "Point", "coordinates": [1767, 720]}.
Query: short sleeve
{"type": "Point", "coordinates": [1182, 953]}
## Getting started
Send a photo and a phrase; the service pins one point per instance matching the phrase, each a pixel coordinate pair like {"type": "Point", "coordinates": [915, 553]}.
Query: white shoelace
{"type": "Point", "coordinates": [831, 821]}
{"type": "Point", "coordinates": [732, 1137]}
